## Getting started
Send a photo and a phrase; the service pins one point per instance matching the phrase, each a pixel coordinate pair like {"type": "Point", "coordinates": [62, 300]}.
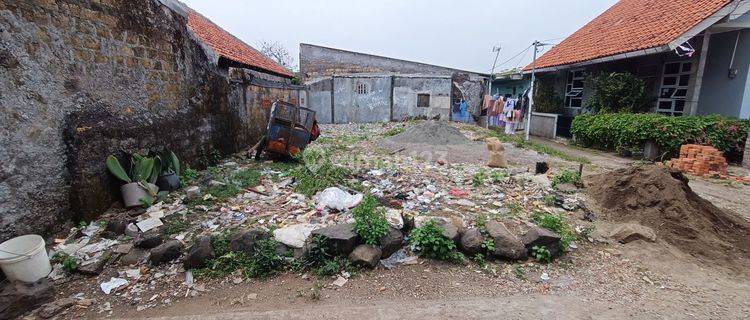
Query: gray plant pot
{"type": "Point", "coordinates": [132, 193]}
{"type": "Point", "coordinates": [168, 182]}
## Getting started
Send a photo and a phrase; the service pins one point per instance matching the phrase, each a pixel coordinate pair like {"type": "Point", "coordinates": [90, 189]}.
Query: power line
{"type": "Point", "coordinates": [515, 56]}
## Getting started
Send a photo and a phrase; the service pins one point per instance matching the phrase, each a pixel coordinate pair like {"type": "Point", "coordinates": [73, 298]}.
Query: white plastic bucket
{"type": "Point", "coordinates": [25, 259]}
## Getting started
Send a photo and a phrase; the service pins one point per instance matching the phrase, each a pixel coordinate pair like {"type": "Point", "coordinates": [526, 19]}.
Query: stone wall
{"type": "Point", "coordinates": [82, 79]}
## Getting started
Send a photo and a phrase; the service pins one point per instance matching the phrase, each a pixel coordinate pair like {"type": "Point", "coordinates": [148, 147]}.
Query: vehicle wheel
{"type": "Point", "coordinates": [261, 147]}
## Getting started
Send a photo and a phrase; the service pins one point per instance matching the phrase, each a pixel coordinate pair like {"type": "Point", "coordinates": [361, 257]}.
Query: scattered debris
{"type": "Point", "coordinates": [112, 284]}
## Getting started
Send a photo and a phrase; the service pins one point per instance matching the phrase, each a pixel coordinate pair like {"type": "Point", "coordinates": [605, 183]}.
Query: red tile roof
{"type": "Point", "coordinates": [230, 47]}
{"type": "Point", "coordinates": [628, 26]}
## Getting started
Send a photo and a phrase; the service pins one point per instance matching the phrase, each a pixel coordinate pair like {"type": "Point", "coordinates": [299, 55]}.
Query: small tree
{"type": "Point", "coordinates": [278, 53]}
{"type": "Point", "coordinates": [546, 99]}
{"type": "Point", "coordinates": [617, 92]}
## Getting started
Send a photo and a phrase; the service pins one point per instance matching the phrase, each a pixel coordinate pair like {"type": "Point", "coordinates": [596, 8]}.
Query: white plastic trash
{"type": "Point", "coordinates": [25, 259]}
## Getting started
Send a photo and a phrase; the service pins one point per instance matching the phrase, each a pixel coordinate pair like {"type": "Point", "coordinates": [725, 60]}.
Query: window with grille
{"type": "Point", "coordinates": [574, 89]}
{"type": "Point", "coordinates": [361, 88]}
{"type": "Point", "coordinates": [423, 100]}
{"type": "Point", "coordinates": [674, 88]}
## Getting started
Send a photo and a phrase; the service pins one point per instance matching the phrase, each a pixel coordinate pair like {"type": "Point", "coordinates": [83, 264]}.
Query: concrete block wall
{"type": "Point", "coordinates": [82, 79]}
{"type": "Point", "coordinates": [406, 89]}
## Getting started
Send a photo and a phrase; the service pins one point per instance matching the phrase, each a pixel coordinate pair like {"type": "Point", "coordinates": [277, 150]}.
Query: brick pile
{"type": "Point", "coordinates": [700, 161]}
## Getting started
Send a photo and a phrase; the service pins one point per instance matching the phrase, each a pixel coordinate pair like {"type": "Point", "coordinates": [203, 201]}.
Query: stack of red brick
{"type": "Point", "coordinates": [700, 161]}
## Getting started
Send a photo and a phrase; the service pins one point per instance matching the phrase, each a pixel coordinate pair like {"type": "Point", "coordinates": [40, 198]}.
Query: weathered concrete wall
{"type": "Point", "coordinates": [319, 99]}
{"type": "Point", "coordinates": [721, 94]}
{"type": "Point", "coordinates": [317, 61]}
{"type": "Point", "coordinates": [746, 157]}
{"type": "Point", "coordinates": [406, 89]}
{"type": "Point", "coordinates": [469, 87]}
{"type": "Point", "coordinates": [372, 106]}
{"type": "Point", "coordinates": [83, 79]}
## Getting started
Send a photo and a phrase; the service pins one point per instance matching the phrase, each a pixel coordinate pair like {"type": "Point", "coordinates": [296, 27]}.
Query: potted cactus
{"type": "Point", "coordinates": [138, 188]}
{"type": "Point", "coordinates": [168, 166]}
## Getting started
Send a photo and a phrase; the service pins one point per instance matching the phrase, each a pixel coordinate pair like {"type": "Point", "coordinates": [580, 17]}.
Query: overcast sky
{"type": "Point", "coordinates": [452, 33]}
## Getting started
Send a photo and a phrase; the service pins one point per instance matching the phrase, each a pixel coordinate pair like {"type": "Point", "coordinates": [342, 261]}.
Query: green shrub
{"type": "Point", "coordinates": [567, 176]}
{"type": "Point", "coordinates": [321, 258]}
{"type": "Point", "coordinates": [263, 263]}
{"type": "Point", "coordinates": [478, 179]}
{"type": "Point", "coordinates": [556, 223]}
{"type": "Point", "coordinates": [546, 99]}
{"type": "Point", "coordinates": [431, 243]}
{"type": "Point", "coordinates": [541, 254]}
{"type": "Point", "coordinates": [265, 260]}
{"type": "Point", "coordinates": [369, 220]}
{"type": "Point", "coordinates": [317, 173]}
{"type": "Point", "coordinates": [618, 92]}
{"type": "Point", "coordinates": [626, 131]}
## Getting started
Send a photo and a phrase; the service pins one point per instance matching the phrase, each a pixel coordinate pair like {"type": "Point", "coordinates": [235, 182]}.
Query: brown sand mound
{"type": "Point", "coordinates": [655, 197]}
{"type": "Point", "coordinates": [432, 133]}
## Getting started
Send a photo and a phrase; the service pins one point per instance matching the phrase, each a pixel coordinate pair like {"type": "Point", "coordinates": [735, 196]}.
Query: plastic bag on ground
{"type": "Point", "coordinates": [400, 257]}
{"type": "Point", "coordinates": [113, 284]}
{"type": "Point", "coordinates": [337, 199]}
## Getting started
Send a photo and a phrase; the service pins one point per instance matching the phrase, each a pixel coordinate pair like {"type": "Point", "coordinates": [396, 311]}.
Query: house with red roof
{"type": "Point", "coordinates": [693, 56]}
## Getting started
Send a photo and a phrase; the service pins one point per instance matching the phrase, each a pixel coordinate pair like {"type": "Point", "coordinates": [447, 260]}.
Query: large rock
{"type": "Point", "coordinates": [451, 228]}
{"type": "Point", "coordinates": [542, 237]}
{"type": "Point", "coordinates": [391, 242]}
{"type": "Point", "coordinates": [166, 252]}
{"type": "Point", "coordinates": [629, 232]}
{"type": "Point", "coordinates": [507, 245]}
{"type": "Point", "coordinates": [366, 255]}
{"type": "Point", "coordinates": [117, 226]}
{"type": "Point", "coordinates": [341, 236]}
{"type": "Point", "coordinates": [199, 253]}
{"type": "Point", "coordinates": [193, 192]}
{"type": "Point", "coordinates": [149, 240]}
{"type": "Point", "coordinates": [54, 308]}
{"type": "Point", "coordinates": [471, 241]}
{"type": "Point", "coordinates": [294, 236]}
{"type": "Point", "coordinates": [18, 298]}
{"type": "Point", "coordinates": [245, 240]}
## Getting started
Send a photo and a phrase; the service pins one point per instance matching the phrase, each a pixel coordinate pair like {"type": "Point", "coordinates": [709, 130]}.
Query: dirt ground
{"type": "Point", "coordinates": [597, 280]}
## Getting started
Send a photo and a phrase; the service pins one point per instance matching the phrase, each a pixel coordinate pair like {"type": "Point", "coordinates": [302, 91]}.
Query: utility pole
{"type": "Point", "coordinates": [537, 45]}
{"type": "Point", "coordinates": [492, 74]}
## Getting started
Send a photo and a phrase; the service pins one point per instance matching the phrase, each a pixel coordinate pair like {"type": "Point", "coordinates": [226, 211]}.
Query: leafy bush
{"type": "Point", "coordinates": [263, 263]}
{"type": "Point", "coordinates": [541, 254]}
{"type": "Point", "coordinates": [265, 260]}
{"type": "Point", "coordinates": [321, 258]}
{"type": "Point", "coordinates": [567, 176]}
{"type": "Point", "coordinates": [431, 243]}
{"type": "Point", "coordinates": [557, 224]}
{"type": "Point", "coordinates": [318, 172]}
{"type": "Point", "coordinates": [618, 92]}
{"type": "Point", "coordinates": [478, 179]}
{"type": "Point", "coordinates": [546, 99]}
{"type": "Point", "coordinates": [622, 130]}
{"type": "Point", "coordinates": [369, 220]}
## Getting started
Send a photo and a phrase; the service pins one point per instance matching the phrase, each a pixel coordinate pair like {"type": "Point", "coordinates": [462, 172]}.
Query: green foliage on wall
{"type": "Point", "coordinates": [617, 92]}
{"type": "Point", "coordinates": [546, 99]}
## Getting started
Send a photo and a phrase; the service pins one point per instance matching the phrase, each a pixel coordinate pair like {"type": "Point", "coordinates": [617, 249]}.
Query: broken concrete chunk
{"type": "Point", "coordinates": [54, 308]}
{"type": "Point", "coordinates": [132, 230]}
{"type": "Point", "coordinates": [342, 237]}
{"type": "Point", "coordinates": [366, 255]}
{"type": "Point", "coordinates": [193, 192]}
{"type": "Point", "coordinates": [507, 245]}
{"type": "Point", "coordinates": [395, 219]}
{"type": "Point", "coordinates": [629, 232]}
{"type": "Point", "coordinates": [245, 240]}
{"type": "Point", "coordinates": [199, 254]}
{"type": "Point", "coordinates": [542, 237]}
{"type": "Point", "coordinates": [471, 241]}
{"type": "Point", "coordinates": [95, 268]}
{"type": "Point", "coordinates": [391, 242]}
{"type": "Point", "coordinates": [135, 256]}
{"type": "Point", "coordinates": [166, 252]}
{"type": "Point", "coordinates": [149, 240]}
{"type": "Point", "coordinates": [295, 235]}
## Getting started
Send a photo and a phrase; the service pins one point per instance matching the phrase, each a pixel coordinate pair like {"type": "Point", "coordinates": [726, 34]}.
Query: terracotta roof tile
{"type": "Point", "coordinates": [630, 25]}
{"type": "Point", "coordinates": [230, 47]}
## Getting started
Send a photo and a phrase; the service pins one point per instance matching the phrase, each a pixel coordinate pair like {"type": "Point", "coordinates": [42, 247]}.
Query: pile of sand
{"type": "Point", "coordinates": [655, 197]}
{"type": "Point", "coordinates": [430, 132]}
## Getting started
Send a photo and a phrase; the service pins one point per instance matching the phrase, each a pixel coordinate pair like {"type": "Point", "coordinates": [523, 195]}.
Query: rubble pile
{"type": "Point", "coordinates": [151, 257]}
